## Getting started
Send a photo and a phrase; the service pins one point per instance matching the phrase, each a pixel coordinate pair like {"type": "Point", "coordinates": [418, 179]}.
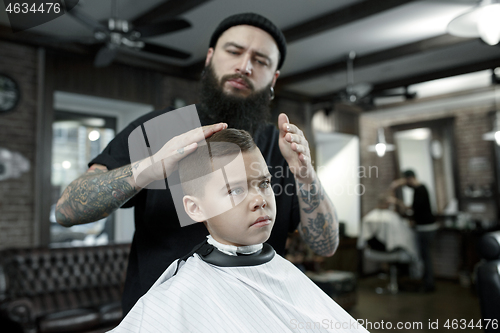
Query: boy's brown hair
{"type": "Point", "coordinates": [202, 161]}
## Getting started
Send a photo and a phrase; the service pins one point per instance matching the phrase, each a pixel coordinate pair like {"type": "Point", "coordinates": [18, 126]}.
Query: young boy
{"type": "Point", "coordinates": [233, 282]}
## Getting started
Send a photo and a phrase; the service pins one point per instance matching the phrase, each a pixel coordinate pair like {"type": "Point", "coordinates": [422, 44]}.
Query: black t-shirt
{"type": "Point", "coordinates": [159, 239]}
{"type": "Point", "coordinates": [422, 212]}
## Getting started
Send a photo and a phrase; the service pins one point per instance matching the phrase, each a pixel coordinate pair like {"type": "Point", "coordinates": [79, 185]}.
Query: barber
{"type": "Point", "coordinates": [242, 65]}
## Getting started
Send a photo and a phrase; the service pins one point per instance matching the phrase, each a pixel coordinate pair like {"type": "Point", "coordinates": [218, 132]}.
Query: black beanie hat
{"type": "Point", "coordinates": [255, 20]}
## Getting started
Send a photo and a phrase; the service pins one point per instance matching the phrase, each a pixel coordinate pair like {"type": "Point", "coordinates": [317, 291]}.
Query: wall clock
{"type": "Point", "coordinates": [10, 93]}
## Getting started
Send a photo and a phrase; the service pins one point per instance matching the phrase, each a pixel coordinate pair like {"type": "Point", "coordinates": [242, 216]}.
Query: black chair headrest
{"type": "Point", "coordinates": [489, 246]}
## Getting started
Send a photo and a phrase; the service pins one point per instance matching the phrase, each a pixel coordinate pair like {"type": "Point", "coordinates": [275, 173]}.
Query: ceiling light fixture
{"type": "Point", "coordinates": [381, 147]}
{"type": "Point", "coordinates": [481, 21]}
{"type": "Point", "coordinates": [94, 135]}
{"type": "Point", "coordinates": [495, 134]}
{"type": "Point", "coordinates": [66, 164]}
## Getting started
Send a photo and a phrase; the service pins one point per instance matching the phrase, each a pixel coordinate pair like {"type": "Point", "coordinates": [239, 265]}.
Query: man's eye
{"type": "Point", "coordinates": [236, 191]}
{"type": "Point", "coordinates": [233, 52]}
{"type": "Point", "coordinates": [262, 62]}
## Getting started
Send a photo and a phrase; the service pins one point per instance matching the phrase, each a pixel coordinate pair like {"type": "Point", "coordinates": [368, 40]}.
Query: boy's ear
{"type": "Point", "coordinates": [193, 208]}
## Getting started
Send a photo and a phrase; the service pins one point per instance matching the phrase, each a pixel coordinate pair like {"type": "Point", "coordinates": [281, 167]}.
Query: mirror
{"type": "Point", "coordinates": [428, 149]}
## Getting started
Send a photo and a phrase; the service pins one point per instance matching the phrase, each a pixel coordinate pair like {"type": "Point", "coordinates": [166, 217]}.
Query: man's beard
{"type": "Point", "coordinates": [248, 113]}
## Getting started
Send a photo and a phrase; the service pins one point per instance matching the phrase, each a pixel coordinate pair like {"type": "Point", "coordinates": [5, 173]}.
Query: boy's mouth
{"type": "Point", "coordinates": [262, 221]}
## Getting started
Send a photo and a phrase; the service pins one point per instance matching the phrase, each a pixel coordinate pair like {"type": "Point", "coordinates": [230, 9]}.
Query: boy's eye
{"type": "Point", "coordinates": [236, 191]}
{"type": "Point", "coordinates": [265, 184]}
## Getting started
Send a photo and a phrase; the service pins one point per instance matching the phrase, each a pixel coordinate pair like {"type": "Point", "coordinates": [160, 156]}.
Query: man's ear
{"type": "Point", "coordinates": [193, 208]}
{"type": "Point", "coordinates": [210, 54]}
{"type": "Point", "coordinates": [275, 77]}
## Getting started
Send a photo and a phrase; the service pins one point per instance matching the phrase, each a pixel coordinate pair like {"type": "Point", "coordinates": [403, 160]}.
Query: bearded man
{"type": "Point", "coordinates": [242, 65]}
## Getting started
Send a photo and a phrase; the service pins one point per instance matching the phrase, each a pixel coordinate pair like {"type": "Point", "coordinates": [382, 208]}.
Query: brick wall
{"type": "Point", "coordinates": [172, 88]}
{"type": "Point", "coordinates": [471, 122]}
{"type": "Point", "coordinates": [18, 134]}
{"type": "Point", "coordinates": [18, 129]}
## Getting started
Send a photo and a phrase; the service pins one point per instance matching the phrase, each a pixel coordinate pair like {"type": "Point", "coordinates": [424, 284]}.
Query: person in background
{"type": "Point", "coordinates": [424, 223]}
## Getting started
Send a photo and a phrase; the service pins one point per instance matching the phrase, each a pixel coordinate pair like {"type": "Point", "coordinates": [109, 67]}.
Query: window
{"type": "Point", "coordinates": [77, 139]}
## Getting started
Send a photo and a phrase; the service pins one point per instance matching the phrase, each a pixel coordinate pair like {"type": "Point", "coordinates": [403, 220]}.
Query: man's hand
{"type": "Point", "coordinates": [164, 162]}
{"type": "Point", "coordinates": [295, 149]}
{"type": "Point", "coordinates": [318, 220]}
{"type": "Point", "coordinates": [398, 183]}
{"type": "Point", "coordinates": [392, 200]}
{"type": "Point", "coordinates": [99, 192]}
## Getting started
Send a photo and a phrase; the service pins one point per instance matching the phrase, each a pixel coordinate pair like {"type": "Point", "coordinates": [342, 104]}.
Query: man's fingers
{"type": "Point", "coordinates": [189, 141]}
{"type": "Point", "coordinates": [299, 148]}
{"type": "Point", "coordinates": [295, 141]}
{"type": "Point", "coordinates": [201, 133]}
{"type": "Point", "coordinates": [174, 156]}
{"type": "Point", "coordinates": [197, 134]}
{"type": "Point", "coordinates": [295, 138]}
{"type": "Point", "coordinates": [166, 159]}
{"type": "Point", "coordinates": [211, 129]}
{"type": "Point", "coordinates": [294, 129]}
{"type": "Point", "coordinates": [290, 128]}
{"type": "Point", "coordinates": [282, 123]}
{"type": "Point", "coordinates": [184, 151]}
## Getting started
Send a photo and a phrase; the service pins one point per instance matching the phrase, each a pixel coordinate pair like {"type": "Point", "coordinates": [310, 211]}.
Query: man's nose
{"type": "Point", "coordinates": [245, 66]}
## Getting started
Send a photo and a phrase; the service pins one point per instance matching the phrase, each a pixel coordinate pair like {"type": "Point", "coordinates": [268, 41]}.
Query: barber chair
{"type": "Point", "coordinates": [395, 257]}
{"type": "Point", "coordinates": [488, 280]}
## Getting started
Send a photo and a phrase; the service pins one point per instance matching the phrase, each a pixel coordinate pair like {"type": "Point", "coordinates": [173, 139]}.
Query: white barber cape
{"type": "Point", "coordinates": [273, 296]}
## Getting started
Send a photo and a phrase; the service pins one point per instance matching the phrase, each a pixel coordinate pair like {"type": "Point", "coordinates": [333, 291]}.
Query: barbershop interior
{"type": "Point", "coordinates": [395, 98]}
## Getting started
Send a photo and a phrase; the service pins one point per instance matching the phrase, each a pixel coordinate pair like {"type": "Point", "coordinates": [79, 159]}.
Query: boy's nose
{"type": "Point", "coordinates": [258, 202]}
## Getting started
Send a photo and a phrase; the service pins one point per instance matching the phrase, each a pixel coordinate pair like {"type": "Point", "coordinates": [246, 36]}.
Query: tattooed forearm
{"type": "Point", "coordinates": [321, 234]}
{"type": "Point", "coordinates": [95, 195]}
{"type": "Point", "coordinates": [311, 195]}
{"type": "Point", "coordinates": [319, 224]}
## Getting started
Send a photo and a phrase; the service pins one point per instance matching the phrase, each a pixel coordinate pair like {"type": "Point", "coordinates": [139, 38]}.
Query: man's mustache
{"type": "Point", "coordinates": [237, 76]}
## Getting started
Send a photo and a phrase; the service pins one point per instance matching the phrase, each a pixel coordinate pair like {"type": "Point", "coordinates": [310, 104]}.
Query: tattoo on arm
{"type": "Point", "coordinates": [312, 197]}
{"type": "Point", "coordinates": [95, 195]}
{"type": "Point", "coordinates": [320, 235]}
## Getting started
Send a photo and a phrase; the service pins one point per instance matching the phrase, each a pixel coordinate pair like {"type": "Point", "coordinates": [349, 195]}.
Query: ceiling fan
{"type": "Point", "coordinates": [354, 92]}
{"type": "Point", "coordinates": [363, 94]}
{"type": "Point", "coordinates": [116, 34]}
